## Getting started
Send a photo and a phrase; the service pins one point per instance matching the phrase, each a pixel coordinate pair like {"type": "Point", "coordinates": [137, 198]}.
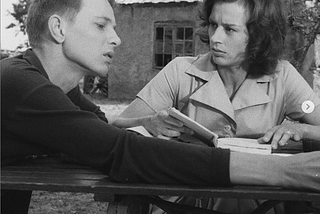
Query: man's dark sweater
{"type": "Point", "coordinates": [38, 118]}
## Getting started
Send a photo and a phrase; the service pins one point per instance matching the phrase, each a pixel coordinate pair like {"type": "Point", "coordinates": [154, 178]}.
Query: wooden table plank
{"type": "Point", "coordinates": [105, 186]}
{"type": "Point", "coordinates": [53, 175]}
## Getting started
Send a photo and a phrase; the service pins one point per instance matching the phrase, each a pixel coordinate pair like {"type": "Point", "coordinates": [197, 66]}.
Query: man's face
{"type": "Point", "coordinates": [90, 38]}
{"type": "Point", "coordinates": [228, 34]}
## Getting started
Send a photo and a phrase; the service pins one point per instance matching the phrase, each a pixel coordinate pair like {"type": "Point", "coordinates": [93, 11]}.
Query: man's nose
{"type": "Point", "coordinates": [114, 39]}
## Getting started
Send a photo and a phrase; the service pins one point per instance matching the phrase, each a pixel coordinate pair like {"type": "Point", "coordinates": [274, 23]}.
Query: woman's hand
{"type": "Point", "coordinates": [279, 135]}
{"type": "Point", "coordinates": [162, 125]}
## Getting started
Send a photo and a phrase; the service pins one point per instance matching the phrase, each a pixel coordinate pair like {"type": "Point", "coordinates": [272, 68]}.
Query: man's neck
{"type": "Point", "coordinates": [59, 70]}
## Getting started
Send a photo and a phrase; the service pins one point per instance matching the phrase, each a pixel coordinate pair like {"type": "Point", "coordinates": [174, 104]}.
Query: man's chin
{"type": "Point", "coordinates": [102, 72]}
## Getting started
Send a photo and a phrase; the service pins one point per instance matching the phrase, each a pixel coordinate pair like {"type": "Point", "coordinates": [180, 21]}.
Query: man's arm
{"type": "Point", "coordinates": [84, 103]}
{"type": "Point", "coordinates": [168, 162]}
{"type": "Point", "coordinates": [300, 171]}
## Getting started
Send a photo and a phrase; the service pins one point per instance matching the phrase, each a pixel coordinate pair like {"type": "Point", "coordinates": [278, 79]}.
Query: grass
{"type": "Point", "coordinates": [100, 99]}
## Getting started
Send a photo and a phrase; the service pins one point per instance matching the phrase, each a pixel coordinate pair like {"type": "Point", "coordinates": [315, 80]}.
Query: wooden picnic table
{"type": "Point", "coordinates": [57, 175]}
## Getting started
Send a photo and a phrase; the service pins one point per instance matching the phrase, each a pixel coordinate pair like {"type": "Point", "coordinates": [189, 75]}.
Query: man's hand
{"type": "Point", "coordinates": [162, 125]}
{"type": "Point", "coordinates": [279, 135]}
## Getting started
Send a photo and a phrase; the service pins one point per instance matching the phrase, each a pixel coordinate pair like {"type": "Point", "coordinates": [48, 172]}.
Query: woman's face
{"type": "Point", "coordinates": [228, 34]}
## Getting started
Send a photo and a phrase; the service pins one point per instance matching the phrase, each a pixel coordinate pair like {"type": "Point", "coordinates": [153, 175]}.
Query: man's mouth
{"type": "Point", "coordinates": [109, 56]}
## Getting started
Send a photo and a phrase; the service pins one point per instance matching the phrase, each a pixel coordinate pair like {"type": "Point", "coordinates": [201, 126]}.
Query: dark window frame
{"type": "Point", "coordinates": [182, 42]}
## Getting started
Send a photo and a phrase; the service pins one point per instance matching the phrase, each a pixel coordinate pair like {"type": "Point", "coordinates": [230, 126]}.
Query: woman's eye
{"type": "Point", "coordinates": [230, 30]}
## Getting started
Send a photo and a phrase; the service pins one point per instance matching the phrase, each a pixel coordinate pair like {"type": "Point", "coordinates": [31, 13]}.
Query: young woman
{"type": "Point", "coordinates": [241, 88]}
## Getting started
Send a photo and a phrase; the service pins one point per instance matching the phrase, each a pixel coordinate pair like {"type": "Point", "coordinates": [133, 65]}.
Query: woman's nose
{"type": "Point", "coordinates": [217, 35]}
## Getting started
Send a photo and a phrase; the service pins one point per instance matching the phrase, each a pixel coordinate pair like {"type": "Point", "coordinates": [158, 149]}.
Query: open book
{"type": "Point", "coordinates": [234, 144]}
{"type": "Point", "coordinates": [204, 134]}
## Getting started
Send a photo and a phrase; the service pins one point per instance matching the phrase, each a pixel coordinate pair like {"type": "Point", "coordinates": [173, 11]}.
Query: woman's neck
{"type": "Point", "coordinates": [232, 78]}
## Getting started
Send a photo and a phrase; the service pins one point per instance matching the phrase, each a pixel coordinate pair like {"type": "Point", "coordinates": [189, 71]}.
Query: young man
{"type": "Point", "coordinates": [44, 112]}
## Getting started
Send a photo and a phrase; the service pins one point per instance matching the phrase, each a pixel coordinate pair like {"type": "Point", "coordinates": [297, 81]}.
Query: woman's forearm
{"type": "Point", "coordinates": [122, 122]}
{"type": "Point", "coordinates": [310, 131]}
{"type": "Point", "coordinates": [138, 113]}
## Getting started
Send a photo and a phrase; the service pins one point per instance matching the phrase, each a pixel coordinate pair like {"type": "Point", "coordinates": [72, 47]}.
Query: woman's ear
{"type": "Point", "coordinates": [56, 28]}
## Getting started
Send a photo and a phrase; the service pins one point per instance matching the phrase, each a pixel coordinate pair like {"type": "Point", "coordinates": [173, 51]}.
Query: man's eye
{"type": "Point", "coordinates": [212, 24]}
{"type": "Point", "coordinates": [101, 26]}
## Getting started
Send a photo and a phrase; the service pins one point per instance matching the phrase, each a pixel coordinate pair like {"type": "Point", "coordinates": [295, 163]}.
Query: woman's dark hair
{"type": "Point", "coordinates": [267, 29]}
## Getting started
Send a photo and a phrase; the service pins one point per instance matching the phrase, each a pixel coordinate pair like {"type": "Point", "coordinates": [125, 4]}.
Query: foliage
{"type": "Point", "coordinates": [304, 19]}
{"type": "Point", "coordinates": [20, 11]}
{"type": "Point", "coordinates": [4, 54]}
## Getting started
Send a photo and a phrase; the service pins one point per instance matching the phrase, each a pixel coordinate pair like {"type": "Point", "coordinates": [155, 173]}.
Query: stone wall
{"type": "Point", "coordinates": [133, 65]}
{"type": "Point", "coordinates": [316, 75]}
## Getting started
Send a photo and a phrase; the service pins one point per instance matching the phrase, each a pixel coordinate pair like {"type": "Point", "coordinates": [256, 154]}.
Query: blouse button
{"type": "Point", "coordinates": [227, 127]}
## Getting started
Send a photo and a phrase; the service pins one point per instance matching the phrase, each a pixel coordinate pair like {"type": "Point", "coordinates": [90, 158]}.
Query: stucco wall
{"type": "Point", "coordinates": [133, 65]}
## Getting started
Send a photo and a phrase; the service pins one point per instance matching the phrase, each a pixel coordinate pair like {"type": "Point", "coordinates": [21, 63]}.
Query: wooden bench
{"type": "Point", "coordinates": [54, 174]}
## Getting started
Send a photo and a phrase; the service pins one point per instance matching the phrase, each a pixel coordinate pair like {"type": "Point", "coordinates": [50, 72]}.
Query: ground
{"type": "Point", "coordinates": [76, 203]}
{"type": "Point", "coordinates": [65, 203]}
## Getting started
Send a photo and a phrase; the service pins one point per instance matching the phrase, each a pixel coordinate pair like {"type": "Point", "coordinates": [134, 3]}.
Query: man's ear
{"type": "Point", "coordinates": [56, 28]}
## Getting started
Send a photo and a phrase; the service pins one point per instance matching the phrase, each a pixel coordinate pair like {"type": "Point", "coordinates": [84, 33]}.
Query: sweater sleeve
{"type": "Point", "coordinates": [152, 160]}
{"type": "Point", "coordinates": [80, 100]}
{"type": "Point", "coordinates": [40, 117]}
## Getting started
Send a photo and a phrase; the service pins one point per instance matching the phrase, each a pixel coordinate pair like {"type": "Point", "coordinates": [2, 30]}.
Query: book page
{"type": "Point", "coordinates": [140, 130]}
{"type": "Point", "coordinates": [199, 129]}
{"type": "Point", "coordinates": [247, 145]}
{"type": "Point", "coordinates": [244, 145]}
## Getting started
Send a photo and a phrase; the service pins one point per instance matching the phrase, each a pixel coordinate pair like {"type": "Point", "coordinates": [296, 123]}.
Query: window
{"type": "Point", "coordinates": [172, 40]}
